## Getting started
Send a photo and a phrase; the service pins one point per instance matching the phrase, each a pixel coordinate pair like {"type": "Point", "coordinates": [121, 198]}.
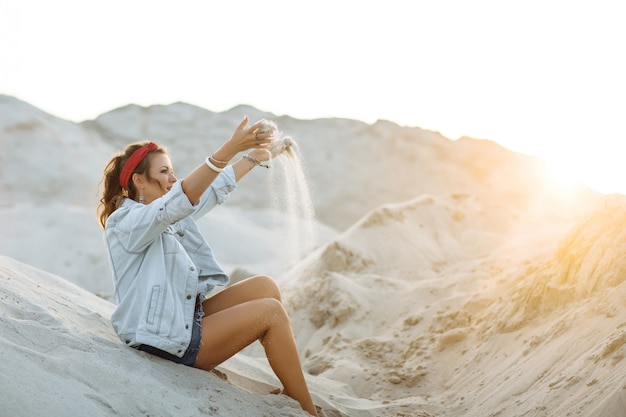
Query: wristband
{"type": "Point", "coordinates": [211, 165]}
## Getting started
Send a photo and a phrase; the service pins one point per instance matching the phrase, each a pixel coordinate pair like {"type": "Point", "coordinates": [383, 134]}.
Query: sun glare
{"type": "Point", "coordinates": [600, 171]}
{"type": "Point", "coordinates": [563, 173]}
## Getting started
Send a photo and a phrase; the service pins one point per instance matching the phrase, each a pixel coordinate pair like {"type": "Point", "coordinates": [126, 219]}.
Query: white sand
{"type": "Point", "coordinates": [62, 358]}
{"type": "Point", "coordinates": [451, 278]}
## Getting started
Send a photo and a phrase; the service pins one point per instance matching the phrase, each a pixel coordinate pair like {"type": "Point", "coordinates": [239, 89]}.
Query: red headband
{"type": "Point", "coordinates": [133, 161]}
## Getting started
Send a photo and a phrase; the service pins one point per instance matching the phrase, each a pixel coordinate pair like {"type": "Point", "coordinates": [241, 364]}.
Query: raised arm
{"type": "Point", "coordinates": [244, 137]}
{"type": "Point", "coordinates": [259, 156]}
{"type": "Point", "coordinates": [243, 166]}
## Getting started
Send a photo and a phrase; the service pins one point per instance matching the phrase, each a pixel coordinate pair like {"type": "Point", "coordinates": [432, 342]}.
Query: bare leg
{"type": "Point", "coordinates": [236, 317]}
{"type": "Point", "coordinates": [253, 288]}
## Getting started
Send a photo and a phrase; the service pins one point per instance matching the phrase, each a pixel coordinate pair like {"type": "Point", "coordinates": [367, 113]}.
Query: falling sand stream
{"type": "Point", "coordinates": [290, 196]}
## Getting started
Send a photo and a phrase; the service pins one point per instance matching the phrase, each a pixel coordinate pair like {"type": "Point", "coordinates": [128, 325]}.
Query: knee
{"type": "Point", "coordinates": [274, 310]}
{"type": "Point", "coordinates": [275, 320]}
{"type": "Point", "coordinates": [268, 287]}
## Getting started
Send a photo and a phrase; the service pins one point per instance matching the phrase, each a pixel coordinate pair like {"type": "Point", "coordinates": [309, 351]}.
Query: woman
{"type": "Point", "coordinates": [164, 270]}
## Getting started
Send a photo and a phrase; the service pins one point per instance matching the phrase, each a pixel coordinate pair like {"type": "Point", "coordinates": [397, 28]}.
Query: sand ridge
{"type": "Point", "coordinates": [447, 278]}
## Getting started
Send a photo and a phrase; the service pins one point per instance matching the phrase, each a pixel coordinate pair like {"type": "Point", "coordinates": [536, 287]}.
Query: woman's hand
{"type": "Point", "coordinates": [246, 137]}
{"type": "Point", "coordinates": [261, 155]}
{"type": "Point", "coordinates": [243, 138]}
{"type": "Point", "coordinates": [277, 147]}
{"type": "Point", "coordinates": [263, 152]}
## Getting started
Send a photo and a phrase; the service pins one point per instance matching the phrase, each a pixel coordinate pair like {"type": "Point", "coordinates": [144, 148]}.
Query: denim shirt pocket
{"type": "Point", "coordinates": [155, 309]}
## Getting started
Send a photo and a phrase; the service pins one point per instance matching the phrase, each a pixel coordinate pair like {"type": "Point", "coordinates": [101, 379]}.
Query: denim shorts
{"type": "Point", "coordinates": [191, 354]}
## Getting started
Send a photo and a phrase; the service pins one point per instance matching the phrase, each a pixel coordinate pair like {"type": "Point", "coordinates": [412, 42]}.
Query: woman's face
{"type": "Point", "coordinates": [160, 178]}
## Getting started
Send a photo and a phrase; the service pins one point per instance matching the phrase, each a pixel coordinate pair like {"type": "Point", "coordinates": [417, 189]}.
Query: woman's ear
{"type": "Point", "coordinates": [138, 180]}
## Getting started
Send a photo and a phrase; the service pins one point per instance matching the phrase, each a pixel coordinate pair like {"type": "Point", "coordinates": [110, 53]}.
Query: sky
{"type": "Point", "coordinates": [541, 77]}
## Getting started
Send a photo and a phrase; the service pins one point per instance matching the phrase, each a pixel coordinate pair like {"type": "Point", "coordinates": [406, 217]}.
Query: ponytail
{"type": "Point", "coordinates": [113, 195]}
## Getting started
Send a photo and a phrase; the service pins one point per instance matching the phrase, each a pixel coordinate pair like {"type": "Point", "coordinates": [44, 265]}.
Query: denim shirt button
{"type": "Point", "coordinates": [192, 268]}
{"type": "Point", "coordinates": [189, 297]}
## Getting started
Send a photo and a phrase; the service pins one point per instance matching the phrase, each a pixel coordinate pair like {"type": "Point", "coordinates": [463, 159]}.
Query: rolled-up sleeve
{"type": "Point", "coordinates": [217, 193]}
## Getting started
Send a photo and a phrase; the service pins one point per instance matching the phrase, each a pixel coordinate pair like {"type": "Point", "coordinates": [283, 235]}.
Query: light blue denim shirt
{"type": "Point", "coordinates": [161, 263]}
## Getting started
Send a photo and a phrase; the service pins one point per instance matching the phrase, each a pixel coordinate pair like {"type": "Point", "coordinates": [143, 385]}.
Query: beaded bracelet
{"type": "Point", "coordinates": [254, 160]}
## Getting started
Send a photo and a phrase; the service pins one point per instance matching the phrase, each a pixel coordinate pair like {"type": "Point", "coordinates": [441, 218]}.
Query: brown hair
{"type": "Point", "coordinates": [113, 194]}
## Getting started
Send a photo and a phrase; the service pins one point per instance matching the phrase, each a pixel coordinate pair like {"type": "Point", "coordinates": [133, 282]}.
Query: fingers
{"type": "Point", "coordinates": [252, 137]}
{"type": "Point", "coordinates": [256, 125]}
{"type": "Point", "coordinates": [243, 123]}
{"type": "Point", "coordinates": [262, 138]}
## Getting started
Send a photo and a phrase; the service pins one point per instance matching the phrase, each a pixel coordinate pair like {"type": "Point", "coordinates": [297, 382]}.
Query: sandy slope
{"type": "Point", "coordinates": [463, 315]}
{"type": "Point", "coordinates": [454, 306]}
{"type": "Point", "coordinates": [62, 358]}
{"type": "Point", "coordinates": [450, 278]}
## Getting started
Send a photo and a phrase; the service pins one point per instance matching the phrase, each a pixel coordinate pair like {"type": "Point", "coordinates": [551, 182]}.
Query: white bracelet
{"type": "Point", "coordinates": [211, 165]}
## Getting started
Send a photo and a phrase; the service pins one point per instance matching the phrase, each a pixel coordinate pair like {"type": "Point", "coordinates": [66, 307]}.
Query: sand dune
{"type": "Point", "coordinates": [448, 278]}
{"type": "Point", "coordinates": [51, 169]}
{"type": "Point", "coordinates": [452, 305]}
{"type": "Point", "coordinates": [498, 328]}
{"type": "Point", "coordinates": [62, 358]}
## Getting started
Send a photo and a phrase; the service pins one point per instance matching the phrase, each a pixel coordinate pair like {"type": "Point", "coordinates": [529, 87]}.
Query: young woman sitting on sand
{"type": "Point", "coordinates": [164, 270]}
